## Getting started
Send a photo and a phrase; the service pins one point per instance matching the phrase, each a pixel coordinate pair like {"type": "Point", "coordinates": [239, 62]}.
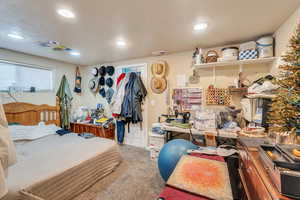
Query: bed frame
{"type": "Point", "coordinates": [30, 114]}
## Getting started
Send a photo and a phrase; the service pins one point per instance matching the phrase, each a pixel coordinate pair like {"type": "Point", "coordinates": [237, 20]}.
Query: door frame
{"type": "Point", "coordinates": [145, 120]}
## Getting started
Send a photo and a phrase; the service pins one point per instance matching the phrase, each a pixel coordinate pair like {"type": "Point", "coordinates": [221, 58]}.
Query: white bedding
{"type": "Point", "coordinates": [20, 132]}
{"type": "Point", "coordinates": [48, 156]}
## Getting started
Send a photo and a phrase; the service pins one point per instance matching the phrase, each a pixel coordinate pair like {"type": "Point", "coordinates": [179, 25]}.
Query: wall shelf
{"type": "Point", "coordinates": [235, 63]}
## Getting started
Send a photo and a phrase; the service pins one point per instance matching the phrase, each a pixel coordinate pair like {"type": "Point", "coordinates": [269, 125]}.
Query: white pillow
{"type": "Point", "coordinates": [20, 132]}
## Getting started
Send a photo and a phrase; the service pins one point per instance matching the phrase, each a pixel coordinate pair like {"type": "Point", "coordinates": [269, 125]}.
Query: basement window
{"type": "Point", "coordinates": [25, 78]}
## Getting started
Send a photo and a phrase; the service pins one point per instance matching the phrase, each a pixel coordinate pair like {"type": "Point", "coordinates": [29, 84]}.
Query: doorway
{"type": "Point", "coordinates": [138, 133]}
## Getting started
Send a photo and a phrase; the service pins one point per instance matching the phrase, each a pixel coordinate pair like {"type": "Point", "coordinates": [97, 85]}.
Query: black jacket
{"type": "Point", "coordinates": [135, 92]}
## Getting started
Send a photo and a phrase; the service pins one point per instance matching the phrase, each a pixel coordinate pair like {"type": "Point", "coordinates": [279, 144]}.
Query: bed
{"type": "Point", "coordinates": [55, 167]}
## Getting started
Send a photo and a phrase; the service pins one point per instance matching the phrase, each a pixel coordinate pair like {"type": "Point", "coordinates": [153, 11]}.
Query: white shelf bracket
{"type": "Point", "coordinates": [214, 75]}
{"type": "Point", "coordinates": [241, 68]}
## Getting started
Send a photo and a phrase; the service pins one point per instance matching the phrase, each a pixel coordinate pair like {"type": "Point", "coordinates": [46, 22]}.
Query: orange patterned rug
{"type": "Point", "coordinates": [202, 176]}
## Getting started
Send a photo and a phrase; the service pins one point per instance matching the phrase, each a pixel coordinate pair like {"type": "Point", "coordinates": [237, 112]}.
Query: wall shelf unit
{"type": "Point", "coordinates": [235, 63]}
{"type": "Point", "coordinates": [239, 63]}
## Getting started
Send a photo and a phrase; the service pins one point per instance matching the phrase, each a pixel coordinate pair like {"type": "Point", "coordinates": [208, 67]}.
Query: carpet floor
{"type": "Point", "coordinates": [137, 178]}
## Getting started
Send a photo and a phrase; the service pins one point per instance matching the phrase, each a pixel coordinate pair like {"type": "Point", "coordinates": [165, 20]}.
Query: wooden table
{"type": "Point", "coordinates": [97, 130]}
{"type": "Point", "coordinates": [254, 175]}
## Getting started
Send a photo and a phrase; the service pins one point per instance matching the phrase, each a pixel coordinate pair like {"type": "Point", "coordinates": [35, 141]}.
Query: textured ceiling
{"type": "Point", "coordinates": [147, 25]}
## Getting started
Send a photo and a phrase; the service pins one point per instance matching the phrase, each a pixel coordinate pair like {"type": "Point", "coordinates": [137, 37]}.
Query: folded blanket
{"type": "Point", "coordinates": [7, 152]}
{"type": "Point", "coordinates": [63, 132]}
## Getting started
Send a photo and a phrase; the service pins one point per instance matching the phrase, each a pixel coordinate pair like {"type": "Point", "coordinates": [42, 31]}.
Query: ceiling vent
{"type": "Point", "coordinates": [159, 53]}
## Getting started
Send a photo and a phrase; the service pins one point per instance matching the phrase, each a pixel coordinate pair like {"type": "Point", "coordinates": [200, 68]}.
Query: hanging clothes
{"type": "Point", "coordinates": [118, 96]}
{"type": "Point", "coordinates": [7, 152]}
{"type": "Point", "coordinates": [65, 96]}
{"type": "Point", "coordinates": [120, 131]}
{"type": "Point", "coordinates": [135, 93]}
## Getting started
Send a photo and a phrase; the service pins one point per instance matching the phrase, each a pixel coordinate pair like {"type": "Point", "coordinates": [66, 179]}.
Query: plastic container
{"type": "Point", "coordinates": [230, 52]}
{"type": "Point", "coordinates": [265, 47]}
{"type": "Point", "coordinates": [248, 46]}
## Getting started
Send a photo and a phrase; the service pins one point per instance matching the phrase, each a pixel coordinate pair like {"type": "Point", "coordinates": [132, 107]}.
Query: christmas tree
{"type": "Point", "coordinates": [284, 115]}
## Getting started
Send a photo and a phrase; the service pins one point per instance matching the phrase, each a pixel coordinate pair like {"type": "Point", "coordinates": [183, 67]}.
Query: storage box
{"type": "Point", "coordinates": [248, 54]}
{"type": "Point", "coordinates": [156, 140]}
{"type": "Point", "coordinates": [248, 46]}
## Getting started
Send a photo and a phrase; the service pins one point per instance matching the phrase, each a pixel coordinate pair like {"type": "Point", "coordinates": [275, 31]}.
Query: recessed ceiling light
{"type": "Point", "coordinates": [75, 53]}
{"type": "Point", "coordinates": [15, 36]}
{"type": "Point", "coordinates": [121, 43]}
{"type": "Point", "coordinates": [201, 26]}
{"type": "Point", "coordinates": [66, 13]}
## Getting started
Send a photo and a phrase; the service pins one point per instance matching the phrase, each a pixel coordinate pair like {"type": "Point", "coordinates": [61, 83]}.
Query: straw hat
{"type": "Point", "coordinates": [158, 69]}
{"type": "Point", "coordinates": [158, 85]}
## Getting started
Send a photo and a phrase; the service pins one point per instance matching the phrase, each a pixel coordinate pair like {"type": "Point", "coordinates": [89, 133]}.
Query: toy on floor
{"type": "Point", "coordinates": [170, 154]}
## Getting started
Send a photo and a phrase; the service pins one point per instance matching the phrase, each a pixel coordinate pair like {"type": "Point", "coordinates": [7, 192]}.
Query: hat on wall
{"type": "Point", "coordinates": [93, 85]}
{"type": "Point", "coordinates": [101, 81]}
{"type": "Point", "coordinates": [158, 85]}
{"type": "Point", "coordinates": [102, 92]}
{"type": "Point", "coordinates": [109, 82]}
{"type": "Point", "coordinates": [102, 71]}
{"type": "Point", "coordinates": [109, 94]}
{"type": "Point", "coordinates": [94, 71]}
{"type": "Point", "coordinates": [110, 70]}
{"type": "Point", "coordinates": [158, 69]}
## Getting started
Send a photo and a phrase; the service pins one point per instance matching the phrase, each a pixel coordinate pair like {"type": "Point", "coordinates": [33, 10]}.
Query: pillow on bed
{"type": "Point", "coordinates": [20, 132]}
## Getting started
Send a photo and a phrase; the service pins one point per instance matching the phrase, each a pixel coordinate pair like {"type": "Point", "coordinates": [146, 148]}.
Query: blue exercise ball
{"type": "Point", "coordinates": [170, 154]}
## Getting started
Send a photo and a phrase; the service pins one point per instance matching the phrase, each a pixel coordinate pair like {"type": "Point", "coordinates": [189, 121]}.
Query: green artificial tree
{"type": "Point", "coordinates": [284, 115]}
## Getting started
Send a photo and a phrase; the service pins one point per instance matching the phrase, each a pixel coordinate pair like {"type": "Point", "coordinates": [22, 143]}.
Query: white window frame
{"type": "Point", "coordinates": [34, 67]}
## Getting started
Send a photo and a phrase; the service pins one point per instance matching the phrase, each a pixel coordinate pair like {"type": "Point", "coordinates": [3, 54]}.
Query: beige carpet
{"type": "Point", "coordinates": [137, 178]}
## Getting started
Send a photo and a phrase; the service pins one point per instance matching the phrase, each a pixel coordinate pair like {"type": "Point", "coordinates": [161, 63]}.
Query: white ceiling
{"type": "Point", "coordinates": [147, 25]}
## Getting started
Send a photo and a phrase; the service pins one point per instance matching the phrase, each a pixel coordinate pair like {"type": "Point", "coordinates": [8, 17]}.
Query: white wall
{"type": "Point", "coordinates": [180, 63]}
{"type": "Point", "coordinates": [59, 68]}
{"type": "Point", "coordinates": [282, 35]}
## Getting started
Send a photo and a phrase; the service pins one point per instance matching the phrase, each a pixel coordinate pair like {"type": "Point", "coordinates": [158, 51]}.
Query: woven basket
{"type": "Point", "coordinates": [211, 56]}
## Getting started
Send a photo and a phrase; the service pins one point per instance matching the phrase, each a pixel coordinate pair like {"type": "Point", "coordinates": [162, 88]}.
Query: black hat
{"type": "Point", "coordinates": [109, 82]}
{"type": "Point", "coordinates": [102, 81]}
{"type": "Point", "coordinates": [102, 71]}
{"type": "Point", "coordinates": [93, 84]}
{"type": "Point", "coordinates": [110, 70]}
{"type": "Point", "coordinates": [102, 92]}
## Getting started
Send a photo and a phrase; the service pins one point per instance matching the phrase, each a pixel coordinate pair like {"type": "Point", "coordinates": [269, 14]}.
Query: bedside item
{"type": "Point", "coordinates": [248, 54]}
{"type": "Point", "coordinates": [32, 89]}
{"type": "Point", "coordinates": [265, 46]}
{"type": "Point", "coordinates": [211, 56]}
{"type": "Point", "coordinates": [201, 176]}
